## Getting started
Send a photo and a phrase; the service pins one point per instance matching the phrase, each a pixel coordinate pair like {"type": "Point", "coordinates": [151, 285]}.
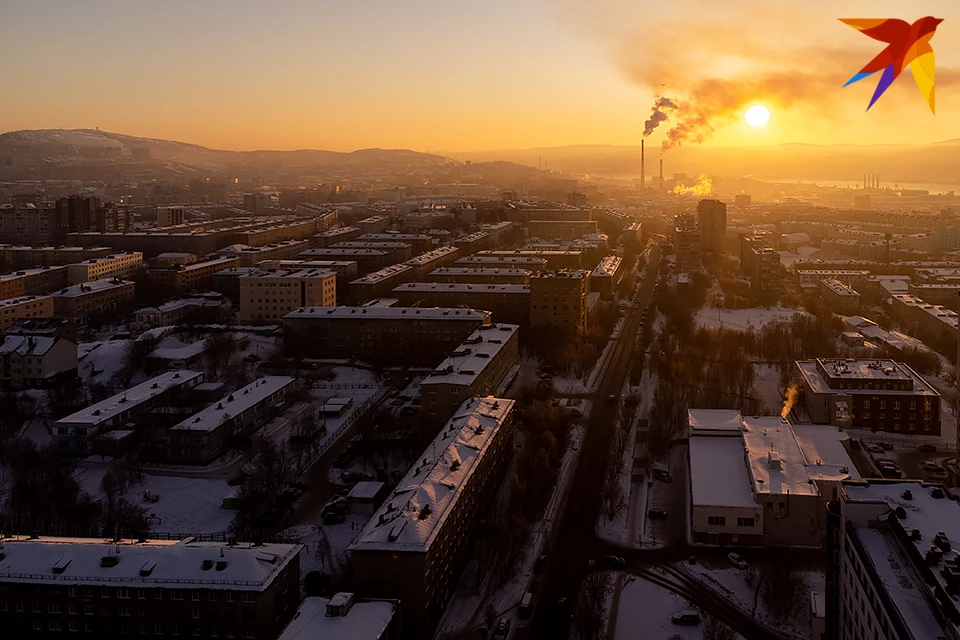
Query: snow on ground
{"type": "Point", "coordinates": [37, 431]}
{"type": "Point", "coordinates": [326, 545]}
{"type": "Point", "coordinates": [645, 612]}
{"type": "Point", "coordinates": [617, 530]}
{"type": "Point", "coordinates": [766, 383]}
{"type": "Point", "coordinates": [186, 505]}
{"type": "Point", "coordinates": [99, 361]}
{"type": "Point", "coordinates": [743, 319]}
{"type": "Point", "coordinates": [732, 583]}
{"type": "Point", "coordinates": [658, 497]}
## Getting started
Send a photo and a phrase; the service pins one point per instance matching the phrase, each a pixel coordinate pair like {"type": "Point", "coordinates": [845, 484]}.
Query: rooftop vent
{"type": "Point", "coordinates": [937, 493]}
{"type": "Point", "coordinates": [907, 494]}
{"type": "Point", "coordinates": [206, 565]}
{"type": "Point", "coordinates": [109, 561]}
{"type": "Point", "coordinates": [221, 565]}
{"type": "Point", "coordinates": [424, 512]}
{"type": "Point", "coordinates": [61, 565]}
{"type": "Point", "coordinates": [942, 541]}
{"type": "Point", "coordinates": [773, 460]}
{"type": "Point", "coordinates": [147, 568]}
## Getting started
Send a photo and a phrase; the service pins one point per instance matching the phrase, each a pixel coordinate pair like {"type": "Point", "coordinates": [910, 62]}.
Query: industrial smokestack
{"type": "Point", "coordinates": [661, 175]}
{"type": "Point", "coordinates": [643, 176]}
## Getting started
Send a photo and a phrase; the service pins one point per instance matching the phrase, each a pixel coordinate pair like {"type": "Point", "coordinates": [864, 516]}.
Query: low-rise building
{"type": "Point", "coordinates": [286, 250]}
{"type": "Point", "coordinates": [756, 480]}
{"type": "Point", "coordinates": [344, 617]}
{"type": "Point", "coordinates": [480, 275]}
{"type": "Point", "coordinates": [381, 335]}
{"type": "Point", "coordinates": [333, 236]}
{"type": "Point", "coordinates": [394, 251]}
{"type": "Point", "coordinates": [419, 242]}
{"type": "Point", "coordinates": [29, 257]}
{"type": "Point", "coordinates": [508, 303]}
{"type": "Point", "coordinates": [374, 224]}
{"type": "Point", "coordinates": [416, 545]}
{"type": "Point", "coordinates": [559, 299]}
{"type": "Point", "coordinates": [561, 229]}
{"type": "Point", "coordinates": [14, 309]}
{"type": "Point", "coordinates": [175, 259]}
{"type": "Point", "coordinates": [30, 360]}
{"type": "Point", "coordinates": [475, 369]}
{"type": "Point", "coordinates": [934, 323]}
{"type": "Point", "coordinates": [571, 259]}
{"type": "Point", "coordinates": [117, 265]}
{"type": "Point", "coordinates": [75, 433]}
{"type": "Point", "coordinates": [204, 436]}
{"type": "Point", "coordinates": [605, 278]}
{"type": "Point", "coordinates": [430, 261]}
{"type": "Point", "coordinates": [891, 562]}
{"type": "Point", "coordinates": [810, 278]}
{"type": "Point", "coordinates": [378, 283]}
{"type": "Point", "coordinates": [191, 276]}
{"type": "Point", "coordinates": [150, 588]}
{"type": "Point", "coordinates": [840, 298]}
{"type": "Point", "coordinates": [368, 260]}
{"type": "Point", "coordinates": [268, 295]}
{"type": "Point", "coordinates": [880, 395]}
{"type": "Point", "coordinates": [935, 293]}
{"type": "Point", "coordinates": [32, 282]}
{"type": "Point", "coordinates": [204, 307]}
{"type": "Point", "coordinates": [80, 302]}
{"type": "Point", "coordinates": [470, 243]}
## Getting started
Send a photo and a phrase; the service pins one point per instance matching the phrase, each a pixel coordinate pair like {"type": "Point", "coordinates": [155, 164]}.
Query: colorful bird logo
{"type": "Point", "coordinates": [907, 44]}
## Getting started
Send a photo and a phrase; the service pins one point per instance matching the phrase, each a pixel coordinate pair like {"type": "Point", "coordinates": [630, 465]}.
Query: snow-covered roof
{"type": "Point", "coordinates": [291, 273]}
{"type": "Point", "coordinates": [155, 563]}
{"type": "Point", "coordinates": [875, 371]}
{"type": "Point", "coordinates": [28, 272]}
{"type": "Point", "coordinates": [395, 237]}
{"type": "Point", "coordinates": [185, 352]}
{"type": "Point", "coordinates": [718, 473]}
{"type": "Point", "coordinates": [487, 260]}
{"type": "Point", "coordinates": [131, 398]}
{"type": "Point", "coordinates": [412, 515]}
{"type": "Point", "coordinates": [464, 287]}
{"type": "Point", "coordinates": [369, 245]}
{"type": "Point", "coordinates": [88, 288]}
{"type": "Point", "coordinates": [389, 313]}
{"type": "Point", "coordinates": [342, 251]}
{"type": "Point", "coordinates": [823, 449]}
{"type": "Point", "coordinates": [777, 465]}
{"type": "Point", "coordinates": [480, 271]}
{"type": "Point", "coordinates": [366, 490]}
{"type": "Point", "coordinates": [365, 621]}
{"type": "Point", "coordinates": [27, 345]}
{"type": "Point", "coordinates": [426, 258]}
{"type": "Point", "coordinates": [235, 404]}
{"type": "Point", "coordinates": [725, 421]}
{"type": "Point", "coordinates": [467, 362]}
{"type": "Point", "coordinates": [608, 267]}
{"type": "Point", "coordinates": [393, 271]}
{"type": "Point", "coordinates": [838, 287]}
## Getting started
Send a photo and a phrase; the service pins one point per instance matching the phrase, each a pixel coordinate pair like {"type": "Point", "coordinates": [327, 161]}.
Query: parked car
{"type": "Point", "coordinates": [503, 628]}
{"type": "Point", "coordinates": [928, 447]}
{"type": "Point", "coordinates": [873, 448]}
{"type": "Point", "coordinates": [657, 514]}
{"type": "Point", "coordinates": [736, 560]}
{"type": "Point", "coordinates": [687, 618]}
{"type": "Point", "coordinates": [886, 446]}
{"type": "Point", "coordinates": [934, 468]}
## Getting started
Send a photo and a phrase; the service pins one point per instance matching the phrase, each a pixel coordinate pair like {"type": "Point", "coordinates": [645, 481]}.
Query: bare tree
{"type": "Point", "coordinates": [714, 629]}
{"type": "Point", "coordinates": [589, 620]}
{"type": "Point", "coordinates": [784, 590]}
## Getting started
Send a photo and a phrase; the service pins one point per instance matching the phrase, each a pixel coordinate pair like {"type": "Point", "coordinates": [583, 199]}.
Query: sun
{"type": "Point", "coordinates": [757, 116]}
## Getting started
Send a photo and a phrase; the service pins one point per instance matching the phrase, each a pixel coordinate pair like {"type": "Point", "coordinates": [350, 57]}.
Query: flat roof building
{"type": "Point", "coordinates": [840, 298]}
{"type": "Point", "coordinates": [118, 265]}
{"type": "Point", "coordinates": [415, 546]}
{"type": "Point", "coordinates": [507, 302]}
{"type": "Point", "coordinates": [605, 278]}
{"type": "Point", "coordinates": [80, 302]}
{"type": "Point", "coordinates": [344, 617]}
{"type": "Point", "coordinates": [268, 295]}
{"type": "Point", "coordinates": [378, 283]}
{"type": "Point", "coordinates": [367, 260]}
{"type": "Point", "coordinates": [32, 282]}
{"type": "Point", "coordinates": [434, 259]}
{"type": "Point", "coordinates": [484, 261]}
{"type": "Point", "coordinates": [191, 276]}
{"type": "Point", "coordinates": [480, 275]}
{"type": "Point", "coordinates": [394, 251]}
{"type": "Point", "coordinates": [559, 299]}
{"type": "Point", "coordinates": [559, 259]}
{"type": "Point", "coordinates": [380, 335]}
{"type": "Point", "coordinates": [13, 309]}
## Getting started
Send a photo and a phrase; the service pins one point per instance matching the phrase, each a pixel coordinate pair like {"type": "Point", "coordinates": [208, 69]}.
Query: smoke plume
{"type": "Point", "coordinates": [659, 113]}
{"type": "Point", "coordinates": [703, 187]}
{"type": "Point", "coordinates": [790, 400]}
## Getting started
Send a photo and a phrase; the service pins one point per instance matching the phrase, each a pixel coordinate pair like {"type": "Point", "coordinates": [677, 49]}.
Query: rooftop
{"type": "Point", "coordinates": [234, 404]}
{"type": "Point", "coordinates": [412, 515]}
{"type": "Point", "coordinates": [290, 273]}
{"type": "Point", "coordinates": [365, 621]}
{"type": "Point", "coordinates": [467, 362]}
{"type": "Point", "coordinates": [386, 273]}
{"type": "Point", "coordinates": [27, 345]}
{"type": "Point", "coordinates": [463, 287]}
{"type": "Point", "coordinates": [28, 272]}
{"type": "Point", "coordinates": [388, 313]}
{"type": "Point", "coordinates": [342, 251]}
{"type": "Point", "coordinates": [169, 564]}
{"type": "Point", "coordinates": [425, 258]}
{"type": "Point", "coordinates": [838, 287]}
{"type": "Point", "coordinates": [480, 271]}
{"type": "Point", "coordinates": [608, 266]}
{"type": "Point", "coordinates": [850, 370]}
{"type": "Point", "coordinates": [718, 474]}
{"type": "Point", "coordinates": [777, 466]}
{"type": "Point", "coordinates": [126, 400]}
{"type": "Point", "coordinates": [86, 288]}
{"type": "Point", "coordinates": [703, 421]}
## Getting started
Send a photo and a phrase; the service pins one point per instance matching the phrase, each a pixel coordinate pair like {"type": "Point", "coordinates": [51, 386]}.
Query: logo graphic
{"type": "Point", "coordinates": [907, 44]}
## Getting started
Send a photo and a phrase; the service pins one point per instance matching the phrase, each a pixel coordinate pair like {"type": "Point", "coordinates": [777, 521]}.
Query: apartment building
{"type": "Point", "coordinates": [810, 278]}
{"type": "Point", "coordinates": [415, 546]}
{"type": "Point", "coordinates": [483, 261]}
{"type": "Point", "coordinates": [175, 259]}
{"type": "Point", "coordinates": [686, 244]}
{"type": "Point", "coordinates": [333, 236]}
{"type": "Point", "coordinates": [632, 234]}
{"type": "Point", "coordinates": [118, 265]}
{"type": "Point", "coordinates": [75, 433]}
{"type": "Point", "coordinates": [395, 252]}
{"type": "Point", "coordinates": [480, 275]}
{"type": "Point", "coordinates": [558, 299]}
{"type": "Point", "coordinates": [13, 309]}
{"type": "Point", "coordinates": [605, 278]}
{"type": "Point", "coordinates": [380, 335]}
{"type": "Point", "coordinates": [935, 293]}
{"type": "Point", "coordinates": [555, 260]}
{"type": "Point", "coordinates": [52, 587]}
{"type": "Point", "coordinates": [508, 303]}
{"type": "Point", "coordinates": [561, 229]}
{"type": "Point", "coordinates": [32, 282]}
{"type": "Point", "coordinates": [27, 257]}
{"type": "Point", "coordinates": [31, 359]}
{"type": "Point", "coordinates": [419, 242]}
{"type": "Point", "coordinates": [206, 435]}
{"type": "Point", "coordinates": [840, 298]}
{"type": "Point", "coordinates": [881, 395]}
{"type": "Point", "coordinates": [374, 224]}
{"type": "Point", "coordinates": [268, 295]}
{"type": "Point", "coordinates": [80, 302]}
{"type": "Point", "coordinates": [759, 480]}
{"type": "Point", "coordinates": [205, 307]}
{"type": "Point", "coordinates": [286, 250]}
{"type": "Point", "coordinates": [227, 281]}
{"type": "Point", "coordinates": [476, 368]}
{"type": "Point", "coordinates": [425, 263]}
{"type": "Point", "coordinates": [346, 617]}
{"type": "Point", "coordinates": [471, 243]}
{"type": "Point", "coordinates": [191, 276]}
{"type": "Point", "coordinates": [170, 215]}
{"type": "Point", "coordinates": [378, 284]}
{"type": "Point", "coordinates": [712, 222]}
{"type": "Point", "coordinates": [891, 566]}
{"type": "Point", "coordinates": [933, 323]}
{"type": "Point", "coordinates": [367, 260]}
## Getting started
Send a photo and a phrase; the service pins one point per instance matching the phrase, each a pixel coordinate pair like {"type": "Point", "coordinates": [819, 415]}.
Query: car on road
{"type": "Point", "coordinates": [503, 628]}
{"type": "Point", "coordinates": [736, 560]}
{"type": "Point", "coordinates": [934, 468]}
{"type": "Point", "coordinates": [928, 447]}
{"type": "Point", "coordinates": [657, 514]}
{"type": "Point", "coordinates": [614, 561]}
{"type": "Point", "coordinates": [873, 448]}
{"type": "Point", "coordinates": [886, 446]}
{"type": "Point", "coordinates": [686, 618]}
{"type": "Point", "coordinates": [540, 564]}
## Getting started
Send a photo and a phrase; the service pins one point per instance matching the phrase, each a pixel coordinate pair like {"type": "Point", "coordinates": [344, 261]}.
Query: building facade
{"type": "Point", "coordinates": [13, 309]}
{"type": "Point", "coordinates": [559, 299]}
{"type": "Point", "coordinates": [267, 296]}
{"type": "Point", "coordinates": [508, 303]}
{"type": "Point", "coordinates": [80, 302]}
{"type": "Point", "coordinates": [712, 221]}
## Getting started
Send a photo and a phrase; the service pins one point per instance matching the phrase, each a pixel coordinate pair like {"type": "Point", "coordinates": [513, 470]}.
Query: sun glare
{"type": "Point", "coordinates": [757, 116]}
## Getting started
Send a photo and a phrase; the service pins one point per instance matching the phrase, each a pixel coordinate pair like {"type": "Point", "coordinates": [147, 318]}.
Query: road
{"type": "Point", "coordinates": [573, 542]}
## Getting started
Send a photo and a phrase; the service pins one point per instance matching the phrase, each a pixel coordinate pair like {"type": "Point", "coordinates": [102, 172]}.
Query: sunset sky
{"type": "Point", "coordinates": [456, 75]}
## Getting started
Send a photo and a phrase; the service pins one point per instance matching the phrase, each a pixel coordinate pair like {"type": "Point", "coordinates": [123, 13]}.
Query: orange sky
{"type": "Point", "coordinates": [457, 76]}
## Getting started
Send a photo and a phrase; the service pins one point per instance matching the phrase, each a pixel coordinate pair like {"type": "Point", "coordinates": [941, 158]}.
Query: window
{"type": "Point", "coordinates": [212, 596]}
{"type": "Point", "coordinates": [53, 608]}
{"type": "Point", "coordinates": [72, 592]}
{"type": "Point", "coordinates": [247, 598]}
{"type": "Point", "coordinates": [19, 607]}
{"type": "Point", "coordinates": [177, 594]}
{"type": "Point", "coordinates": [195, 596]}
{"type": "Point", "coordinates": [782, 505]}
{"type": "Point", "coordinates": [717, 521]}
{"type": "Point", "coordinates": [745, 522]}
{"type": "Point", "coordinates": [88, 610]}
{"type": "Point", "coordinates": [104, 592]}
{"type": "Point", "coordinates": [72, 609]}
{"type": "Point", "coordinates": [228, 596]}
{"type": "Point", "coordinates": [196, 614]}
{"type": "Point", "coordinates": [74, 626]}
{"type": "Point", "coordinates": [123, 592]}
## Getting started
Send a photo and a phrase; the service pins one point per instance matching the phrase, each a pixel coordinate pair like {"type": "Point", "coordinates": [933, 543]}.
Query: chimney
{"type": "Point", "coordinates": [661, 175]}
{"type": "Point", "coordinates": [643, 176]}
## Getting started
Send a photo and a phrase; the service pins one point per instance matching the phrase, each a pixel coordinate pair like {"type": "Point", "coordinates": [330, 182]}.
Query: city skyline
{"type": "Point", "coordinates": [457, 78]}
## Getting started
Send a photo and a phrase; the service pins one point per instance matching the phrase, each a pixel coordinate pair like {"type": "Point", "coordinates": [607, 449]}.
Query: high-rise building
{"type": "Point", "coordinates": [268, 295]}
{"type": "Point", "coordinates": [686, 242]}
{"type": "Point", "coordinates": [169, 216]}
{"type": "Point", "coordinates": [559, 299]}
{"type": "Point", "coordinates": [712, 220]}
